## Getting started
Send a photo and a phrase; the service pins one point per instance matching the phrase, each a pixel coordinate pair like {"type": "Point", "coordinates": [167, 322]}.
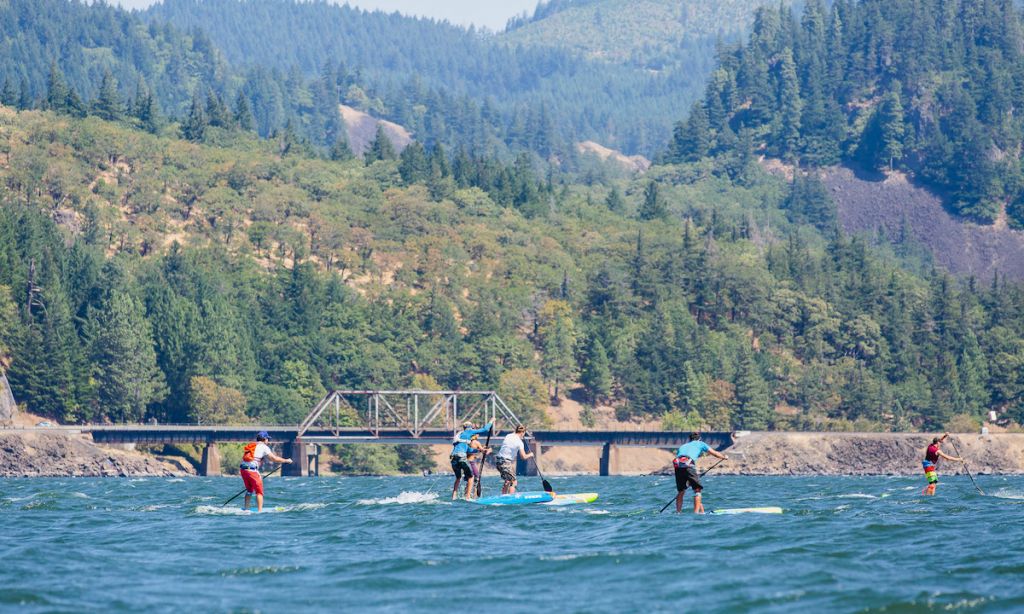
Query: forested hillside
{"type": "Point", "coordinates": [436, 77]}
{"type": "Point", "coordinates": [927, 86]}
{"type": "Point", "coordinates": [652, 34]}
{"type": "Point", "coordinates": [144, 276]}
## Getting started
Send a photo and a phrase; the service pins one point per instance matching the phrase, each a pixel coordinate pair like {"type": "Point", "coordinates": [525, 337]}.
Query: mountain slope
{"type": "Point", "coordinates": [653, 34]}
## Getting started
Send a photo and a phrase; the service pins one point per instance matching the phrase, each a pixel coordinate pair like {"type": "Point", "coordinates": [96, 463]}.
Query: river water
{"type": "Point", "coordinates": [392, 544]}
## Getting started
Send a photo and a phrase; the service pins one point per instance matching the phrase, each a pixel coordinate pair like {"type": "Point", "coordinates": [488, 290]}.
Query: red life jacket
{"type": "Point", "coordinates": [249, 454]}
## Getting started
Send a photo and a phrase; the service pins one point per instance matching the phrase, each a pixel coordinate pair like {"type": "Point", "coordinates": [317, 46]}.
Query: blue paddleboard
{"type": "Point", "coordinates": [520, 498]}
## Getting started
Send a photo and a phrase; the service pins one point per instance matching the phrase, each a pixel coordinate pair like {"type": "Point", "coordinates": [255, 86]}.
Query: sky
{"type": "Point", "coordinates": [492, 14]}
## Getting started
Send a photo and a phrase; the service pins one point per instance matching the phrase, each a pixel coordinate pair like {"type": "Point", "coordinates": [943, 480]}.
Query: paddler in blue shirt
{"type": "Point", "coordinates": [462, 444]}
{"type": "Point", "coordinates": [685, 465]}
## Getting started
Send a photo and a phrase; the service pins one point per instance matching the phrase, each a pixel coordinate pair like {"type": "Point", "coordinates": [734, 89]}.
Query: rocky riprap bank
{"type": "Point", "coordinates": [41, 454]}
{"type": "Point", "coordinates": [766, 453]}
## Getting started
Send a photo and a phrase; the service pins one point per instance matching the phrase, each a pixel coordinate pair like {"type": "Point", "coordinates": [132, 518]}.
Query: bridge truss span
{"type": "Point", "coordinates": [415, 411]}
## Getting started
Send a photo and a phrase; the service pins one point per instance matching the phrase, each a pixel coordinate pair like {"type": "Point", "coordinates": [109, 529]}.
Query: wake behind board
{"type": "Point", "coordinates": [749, 510]}
{"type": "Point", "coordinates": [520, 498]}
{"type": "Point", "coordinates": [573, 499]}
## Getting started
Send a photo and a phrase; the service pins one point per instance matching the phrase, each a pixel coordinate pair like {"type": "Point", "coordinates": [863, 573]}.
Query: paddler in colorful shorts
{"type": "Point", "coordinates": [252, 460]}
{"type": "Point", "coordinates": [931, 463]}
{"type": "Point", "coordinates": [461, 447]}
{"type": "Point", "coordinates": [685, 465]}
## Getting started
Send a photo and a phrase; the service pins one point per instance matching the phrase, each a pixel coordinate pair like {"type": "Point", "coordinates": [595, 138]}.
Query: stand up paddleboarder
{"type": "Point", "coordinates": [461, 447]}
{"type": "Point", "coordinates": [252, 459]}
{"type": "Point", "coordinates": [685, 465]}
{"type": "Point", "coordinates": [931, 463]}
{"type": "Point", "coordinates": [511, 447]}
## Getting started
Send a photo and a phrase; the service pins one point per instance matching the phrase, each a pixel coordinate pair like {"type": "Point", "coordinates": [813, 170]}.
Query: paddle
{"type": "Point", "coordinates": [265, 475]}
{"type": "Point", "coordinates": [670, 501]}
{"type": "Point", "coordinates": [965, 468]}
{"type": "Point", "coordinates": [544, 482]}
{"type": "Point", "coordinates": [483, 459]}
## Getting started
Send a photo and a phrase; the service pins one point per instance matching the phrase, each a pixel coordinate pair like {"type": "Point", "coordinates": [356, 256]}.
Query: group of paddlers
{"type": "Point", "coordinates": [468, 455]}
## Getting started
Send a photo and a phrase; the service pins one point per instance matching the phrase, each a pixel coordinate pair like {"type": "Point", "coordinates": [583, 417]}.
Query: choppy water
{"type": "Point", "coordinates": [390, 544]}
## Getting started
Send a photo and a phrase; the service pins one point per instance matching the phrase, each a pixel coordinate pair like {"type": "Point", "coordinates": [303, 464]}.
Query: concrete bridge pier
{"type": "Point", "coordinates": [210, 464]}
{"type": "Point", "coordinates": [528, 467]}
{"type": "Point", "coordinates": [609, 459]}
{"type": "Point", "coordinates": [299, 467]}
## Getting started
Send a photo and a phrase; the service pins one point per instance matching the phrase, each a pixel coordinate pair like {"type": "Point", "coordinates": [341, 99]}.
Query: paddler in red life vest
{"type": "Point", "coordinates": [685, 465]}
{"type": "Point", "coordinates": [931, 463]}
{"type": "Point", "coordinates": [252, 459]}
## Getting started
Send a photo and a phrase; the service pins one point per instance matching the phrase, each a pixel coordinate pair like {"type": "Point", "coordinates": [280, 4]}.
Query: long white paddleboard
{"type": "Point", "coordinates": [749, 510]}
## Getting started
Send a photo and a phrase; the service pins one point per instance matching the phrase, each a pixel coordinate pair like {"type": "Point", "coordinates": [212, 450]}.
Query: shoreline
{"type": "Point", "coordinates": [41, 453]}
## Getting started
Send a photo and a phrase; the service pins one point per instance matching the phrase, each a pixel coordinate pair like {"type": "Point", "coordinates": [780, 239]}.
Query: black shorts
{"type": "Point", "coordinates": [461, 467]}
{"type": "Point", "coordinates": [687, 476]}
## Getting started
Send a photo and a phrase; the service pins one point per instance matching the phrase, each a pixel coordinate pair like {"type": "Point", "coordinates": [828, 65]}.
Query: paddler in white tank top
{"type": "Point", "coordinates": [511, 447]}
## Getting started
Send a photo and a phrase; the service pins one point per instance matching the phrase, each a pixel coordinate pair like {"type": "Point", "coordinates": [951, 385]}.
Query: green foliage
{"type": "Point", "coordinates": [276, 278]}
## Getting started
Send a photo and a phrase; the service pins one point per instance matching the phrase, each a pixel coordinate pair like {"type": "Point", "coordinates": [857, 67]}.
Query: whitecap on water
{"type": "Point", "coordinates": [402, 499]}
{"type": "Point", "coordinates": [1005, 493]}
{"type": "Point", "coordinates": [856, 495]}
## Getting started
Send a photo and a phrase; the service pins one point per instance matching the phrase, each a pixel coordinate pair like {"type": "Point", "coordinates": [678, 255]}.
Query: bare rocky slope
{"type": "Point", "coordinates": [868, 203]}
{"type": "Point", "coordinates": [36, 453]}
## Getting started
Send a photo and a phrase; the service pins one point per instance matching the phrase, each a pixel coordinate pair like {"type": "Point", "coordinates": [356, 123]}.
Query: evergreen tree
{"type": "Point", "coordinates": [124, 359]}
{"type": "Point", "coordinates": [614, 200]}
{"type": "Point", "coordinates": [892, 126]}
{"type": "Point", "coordinates": [108, 104]}
{"type": "Point", "coordinates": [596, 376]}
{"type": "Point", "coordinates": [57, 91]}
{"type": "Point", "coordinates": [414, 166]}
{"type": "Point", "coordinates": [9, 95]}
{"type": "Point", "coordinates": [194, 126]}
{"type": "Point", "coordinates": [754, 409]}
{"type": "Point", "coordinates": [558, 344]}
{"type": "Point", "coordinates": [790, 107]}
{"type": "Point", "coordinates": [381, 148]}
{"type": "Point", "coordinates": [341, 150]}
{"type": "Point", "coordinates": [653, 206]}
{"type": "Point", "coordinates": [243, 113]}
{"type": "Point", "coordinates": [691, 141]}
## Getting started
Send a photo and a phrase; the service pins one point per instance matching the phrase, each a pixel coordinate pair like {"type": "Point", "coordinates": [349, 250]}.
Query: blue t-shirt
{"type": "Point", "coordinates": [692, 450]}
{"type": "Point", "coordinates": [460, 446]}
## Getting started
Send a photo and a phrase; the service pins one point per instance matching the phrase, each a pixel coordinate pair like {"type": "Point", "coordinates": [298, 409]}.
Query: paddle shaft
{"type": "Point", "coordinates": [265, 475]}
{"type": "Point", "coordinates": [483, 459]}
{"type": "Point", "coordinates": [536, 463]}
{"type": "Point", "coordinates": [720, 461]}
{"type": "Point", "coordinates": [965, 467]}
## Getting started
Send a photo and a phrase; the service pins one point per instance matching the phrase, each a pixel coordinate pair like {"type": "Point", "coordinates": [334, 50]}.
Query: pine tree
{"type": "Point", "coordinates": [614, 201]}
{"type": "Point", "coordinates": [691, 141]}
{"type": "Point", "coordinates": [243, 113]}
{"type": "Point", "coordinates": [414, 166]}
{"type": "Point", "coordinates": [217, 113]}
{"type": "Point", "coordinates": [892, 126]}
{"type": "Point", "coordinates": [755, 408]}
{"type": "Point", "coordinates": [123, 355]}
{"type": "Point", "coordinates": [791, 107]}
{"type": "Point", "coordinates": [9, 95]}
{"type": "Point", "coordinates": [558, 343]}
{"type": "Point", "coordinates": [57, 91]}
{"type": "Point", "coordinates": [653, 207]}
{"type": "Point", "coordinates": [108, 104]}
{"type": "Point", "coordinates": [194, 126]}
{"type": "Point", "coordinates": [381, 148]}
{"type": "Point", "coordinates": [341, 150]}
{"type": "Point", "coordinates": [597, 375]}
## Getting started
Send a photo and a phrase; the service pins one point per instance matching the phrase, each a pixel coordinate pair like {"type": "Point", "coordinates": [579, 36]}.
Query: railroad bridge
{"type": "Point", "coordinates": [404, 417]}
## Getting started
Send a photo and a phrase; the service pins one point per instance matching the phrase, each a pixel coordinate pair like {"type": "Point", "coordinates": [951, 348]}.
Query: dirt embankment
{"type": "Point", "coordinates": [868, 453]}
{"type": "Point", "coordinates": [37, 453]}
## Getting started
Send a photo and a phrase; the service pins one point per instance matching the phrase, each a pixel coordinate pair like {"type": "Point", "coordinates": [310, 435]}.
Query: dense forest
{"type": "Point", "coordinates": [472, 82]}
{"type": "Point", "coordinates": [197, 265]}
{"type": "Point", "coordinates": [926, 86]}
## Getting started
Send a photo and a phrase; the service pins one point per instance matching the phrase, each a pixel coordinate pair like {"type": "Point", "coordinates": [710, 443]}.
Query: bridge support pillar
{"type": "Point", "coordinates": [211, 460]}
{"type": "Point", "coordinates": [299, 467]}
{"type": "Point", "coordinates": [609, 459]}
{"type": "Point", "coordinates": [528, 467]}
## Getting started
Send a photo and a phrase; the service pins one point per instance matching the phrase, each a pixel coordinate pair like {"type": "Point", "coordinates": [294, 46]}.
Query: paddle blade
{"type": "Point", "coordinates": [547, 486]}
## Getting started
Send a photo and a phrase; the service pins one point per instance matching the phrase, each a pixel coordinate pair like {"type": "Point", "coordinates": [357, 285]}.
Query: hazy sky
{"type": "Point", "coordinates": [490, 13]}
